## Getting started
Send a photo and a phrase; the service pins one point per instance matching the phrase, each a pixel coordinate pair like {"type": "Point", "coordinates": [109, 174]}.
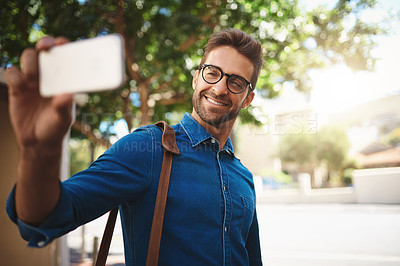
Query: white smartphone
{"type": "Point", "coordinates": [89, 65]}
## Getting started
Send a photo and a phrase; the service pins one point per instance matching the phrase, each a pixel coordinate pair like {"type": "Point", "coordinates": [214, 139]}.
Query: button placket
{"type": "Point", "coordinates": [221, 156]}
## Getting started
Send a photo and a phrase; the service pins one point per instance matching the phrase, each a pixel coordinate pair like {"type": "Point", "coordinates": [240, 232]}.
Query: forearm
{"type": "Point", "coordinates": [38, 185]}
{"type": "Point", "coordinates": [40, 125]}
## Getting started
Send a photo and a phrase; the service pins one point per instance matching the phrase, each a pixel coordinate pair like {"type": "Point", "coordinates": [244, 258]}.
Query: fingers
{"type": "Point", "coordinates": [15, 80]}
{"type": "Point", "coordinates": [63, 102]}
{"type": "Point", "coordinates": [60, 40]}
{"type": "Point", "coordinates": [29, 65]}
{"type": "Point", "coordinates": [46, 42]}
{"type": "Point", "coordinates": [27, 79]}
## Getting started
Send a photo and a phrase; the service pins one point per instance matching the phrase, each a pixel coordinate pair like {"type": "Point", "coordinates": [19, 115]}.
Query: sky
{"type": "Point", "coordinates": [337, 88]}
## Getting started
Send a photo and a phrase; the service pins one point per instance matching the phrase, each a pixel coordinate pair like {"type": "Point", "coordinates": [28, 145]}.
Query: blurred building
{"type": "Point", "coordinates": [369, 126]}
{"type": "Point", "coordinates": [378, 155]}
{"type": "Point", "coordinates": [258, 147]}
{"type": "Point", "coordinates": [14, 250]}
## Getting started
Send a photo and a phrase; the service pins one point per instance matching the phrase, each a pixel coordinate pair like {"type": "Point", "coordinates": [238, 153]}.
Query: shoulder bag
{"type": "Point", "coordinates": [169, 144]}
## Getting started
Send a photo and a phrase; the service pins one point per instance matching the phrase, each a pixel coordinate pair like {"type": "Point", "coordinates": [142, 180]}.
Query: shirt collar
{"type": "Point", "coordinates": [197, 134]}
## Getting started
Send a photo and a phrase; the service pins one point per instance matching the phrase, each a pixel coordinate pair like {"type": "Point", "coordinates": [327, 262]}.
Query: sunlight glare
{"type": "Point", "coordinates": [338, 87]}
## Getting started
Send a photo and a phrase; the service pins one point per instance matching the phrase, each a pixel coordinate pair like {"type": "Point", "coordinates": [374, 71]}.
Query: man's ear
{"type": "Point", "coordinates": [195, 77]}
{"type": "Point", "coordinates": [248, 100]}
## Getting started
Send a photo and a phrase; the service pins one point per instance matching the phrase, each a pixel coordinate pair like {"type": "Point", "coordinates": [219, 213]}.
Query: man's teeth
{"type": "Point", "coordinates": [214, 102]}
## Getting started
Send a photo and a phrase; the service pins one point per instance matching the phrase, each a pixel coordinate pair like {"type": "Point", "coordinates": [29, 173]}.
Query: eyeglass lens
{"type": "Point", "coordinates": [212, 74]}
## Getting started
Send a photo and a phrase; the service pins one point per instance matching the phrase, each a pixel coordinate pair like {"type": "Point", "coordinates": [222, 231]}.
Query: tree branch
{"type": "Point", "coordinates": [87, 130]}
{"type": "Point", "coordinates": [126, 110]}
{"type": "Point", "coordinates": [177, 98]}
{"type": "Point", "coordinates": [120, 28]}
{"type": "Point", "coordinates": [189, 42]}
{"type": "Point", "coordinates": [206, 19]}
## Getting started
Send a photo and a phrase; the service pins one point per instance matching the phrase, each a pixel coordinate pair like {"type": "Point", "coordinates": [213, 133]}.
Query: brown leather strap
{"type": "Point", "coordinates": [158, 216]}
{"type": "Point", "coordinates": [170, 147]}
{"type": "Point", "coordinates": [168, 139]}
{"type": "Point", "coordinates": [169, 144]}
{"type": "Point", "coordinates": [107, 236]}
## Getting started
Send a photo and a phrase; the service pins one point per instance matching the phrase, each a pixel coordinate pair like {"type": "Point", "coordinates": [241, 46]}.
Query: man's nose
{"type": "Point", "coordinates": [220, 87]}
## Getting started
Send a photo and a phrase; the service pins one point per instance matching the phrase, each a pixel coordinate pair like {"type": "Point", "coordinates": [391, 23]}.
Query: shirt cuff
{"type": "Point", "coordinates": [48, 230]}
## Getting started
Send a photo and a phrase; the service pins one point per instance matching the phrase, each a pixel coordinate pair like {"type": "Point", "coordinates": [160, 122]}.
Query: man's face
{"type": "Point", "coordinates": [214, 104]}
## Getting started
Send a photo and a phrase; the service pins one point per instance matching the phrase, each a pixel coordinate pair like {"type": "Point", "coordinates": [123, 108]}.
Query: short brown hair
{"type": "Point", "coordinates": [243, 43]}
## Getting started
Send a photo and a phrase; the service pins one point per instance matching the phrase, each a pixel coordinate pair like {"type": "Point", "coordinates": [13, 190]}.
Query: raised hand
{"type": "Point", "coordinates": [38, 122]}
{"type": "Point", "coordinates": [40, 125]}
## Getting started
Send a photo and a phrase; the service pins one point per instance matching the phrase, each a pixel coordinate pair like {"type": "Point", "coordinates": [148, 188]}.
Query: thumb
{"type": "Point", "coordinates": [63, 105]}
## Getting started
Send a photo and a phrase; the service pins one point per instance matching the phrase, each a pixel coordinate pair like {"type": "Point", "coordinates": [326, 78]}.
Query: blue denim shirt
{"type": "Point", "coordinates": [210, 217]}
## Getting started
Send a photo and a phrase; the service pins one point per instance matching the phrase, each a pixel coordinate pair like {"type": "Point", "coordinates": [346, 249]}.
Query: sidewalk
{"type": "Point", "coordinates": [329, 234]}
{"type": "Point", "coordinates": [304, 235]}
{"type": "Point", "coordinates": [96, 229]}
{"type": "Point", "coordinates": [111, 261]}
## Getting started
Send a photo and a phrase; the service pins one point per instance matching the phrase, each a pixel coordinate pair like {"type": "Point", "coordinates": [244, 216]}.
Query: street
{"type": "Point", "coordinates": [306, 235]}
{"type": "Point", "coordinates": [330, 234]}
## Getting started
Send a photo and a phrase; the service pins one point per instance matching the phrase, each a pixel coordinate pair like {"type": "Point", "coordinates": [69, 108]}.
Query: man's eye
{"type": "Point", "coordinates": [212, 74]}
{"type": "Point", "coordinates": [237, 83]}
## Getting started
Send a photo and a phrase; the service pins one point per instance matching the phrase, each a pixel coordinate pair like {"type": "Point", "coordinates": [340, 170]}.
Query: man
{"type": "Point", "coordinates": [210, 217]}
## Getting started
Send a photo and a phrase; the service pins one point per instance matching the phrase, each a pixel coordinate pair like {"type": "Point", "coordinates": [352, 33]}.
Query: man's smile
{"type": "Point", "coordinates": [214, 101]}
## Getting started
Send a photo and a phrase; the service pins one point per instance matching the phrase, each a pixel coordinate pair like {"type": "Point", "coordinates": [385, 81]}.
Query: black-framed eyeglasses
{"type": "Point", "coordinates": [213, 74]}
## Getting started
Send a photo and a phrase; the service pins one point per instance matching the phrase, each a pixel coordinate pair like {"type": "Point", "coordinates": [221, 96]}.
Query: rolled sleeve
{"type": "Point", "coordinates": [59, 222]}
{"type": "Point", "coordinates": [122, 174]}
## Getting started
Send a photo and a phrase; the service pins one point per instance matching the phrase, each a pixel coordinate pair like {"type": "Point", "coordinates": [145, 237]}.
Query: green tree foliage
{"type": "Point", "coordinates": [298, 148]}
{"type": "Point", "coordinates": [164, 41]}
{"type": "Point", "coordinates": [278, 176]}
{"type": "Point", "coordinates": [394, 137]}
{"type": "Point", "coordinates": [329, 146]}
{"type": "Point", "coordinates": [82, 153]}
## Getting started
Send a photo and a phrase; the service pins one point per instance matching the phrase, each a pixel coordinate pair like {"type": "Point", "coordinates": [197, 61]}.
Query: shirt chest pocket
{"type": "Point", "coordinates": [247, 206]}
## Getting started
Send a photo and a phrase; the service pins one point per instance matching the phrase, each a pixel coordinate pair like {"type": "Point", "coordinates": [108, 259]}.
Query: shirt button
{"type": "Point", "coordinates": [41, 244]}
{"type": "Point", "coordinates": [224, 188]}
{"type": "Point", "coordinates": [212, 141]}
{"type": "Point", "coordinates": [226, 229]}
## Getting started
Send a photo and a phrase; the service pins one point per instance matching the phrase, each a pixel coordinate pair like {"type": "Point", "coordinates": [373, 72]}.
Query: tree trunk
{"type": "Point", "coordinates": [88, 132]}
{"type": "Point", "coordinates": [144, 107]}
